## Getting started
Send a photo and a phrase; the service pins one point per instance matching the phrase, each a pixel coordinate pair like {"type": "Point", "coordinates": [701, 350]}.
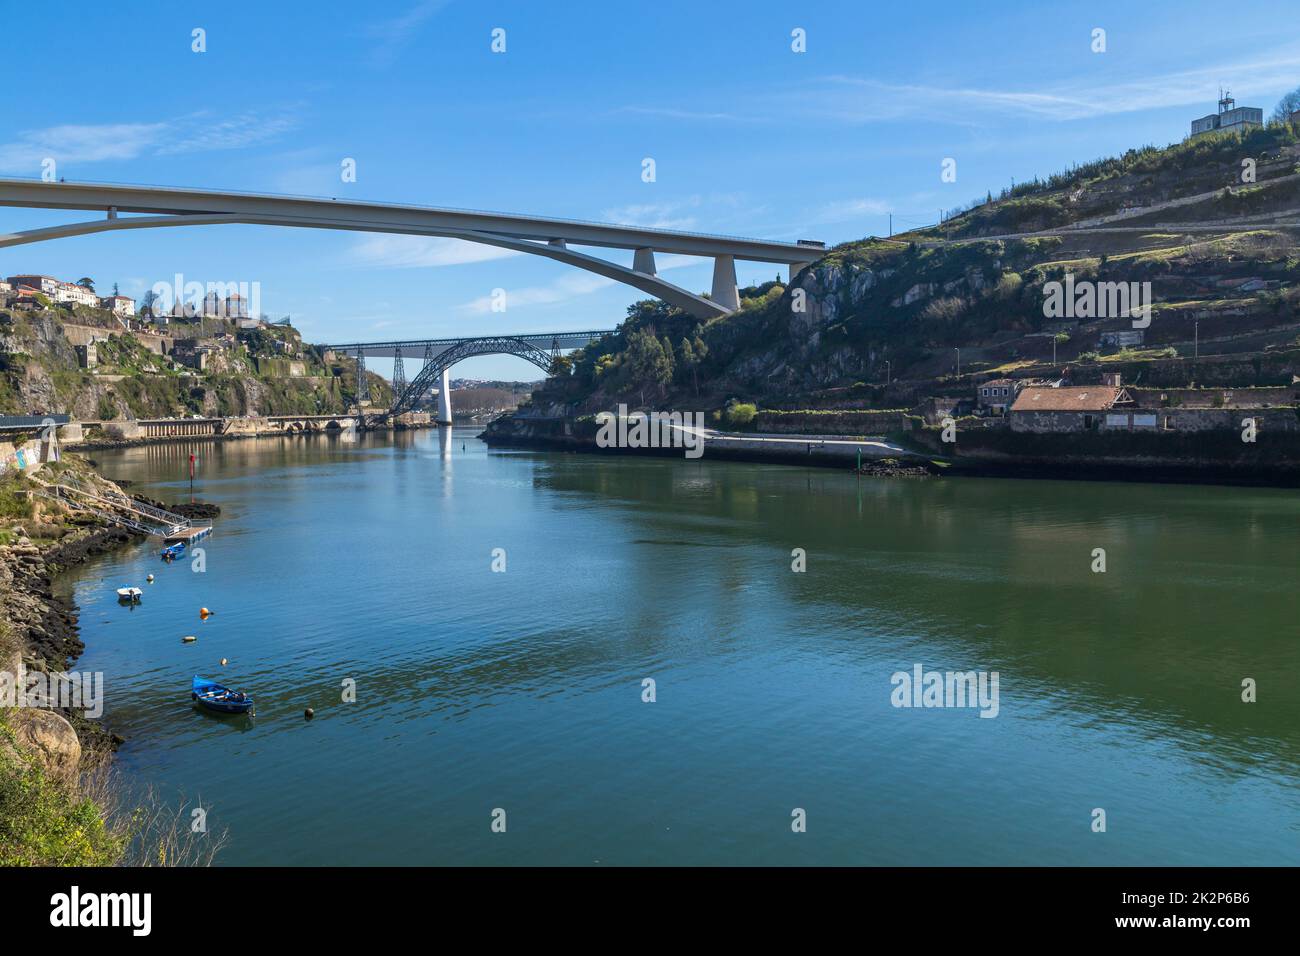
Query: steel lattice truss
{"type": "Point", "coordinates": [540, 348]}
{"type": "Point", "coordinates": [466, 348]}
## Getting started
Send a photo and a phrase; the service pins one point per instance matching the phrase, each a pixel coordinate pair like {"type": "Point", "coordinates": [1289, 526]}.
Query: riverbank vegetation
{"type": "Point", "coordinates": [87, 819]}
{"type": "Point", "coordinates": [48, 820]}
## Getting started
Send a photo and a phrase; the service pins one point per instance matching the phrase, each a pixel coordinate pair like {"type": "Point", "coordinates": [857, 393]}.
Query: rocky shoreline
{"type": "Point", "coordinates": [45, 625]}
{"type": "Point", "coordinates": [42, 626]}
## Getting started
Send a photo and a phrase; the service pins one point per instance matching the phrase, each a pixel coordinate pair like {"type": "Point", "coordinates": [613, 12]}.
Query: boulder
{"type": "Point", "coordinates": [47, 736]}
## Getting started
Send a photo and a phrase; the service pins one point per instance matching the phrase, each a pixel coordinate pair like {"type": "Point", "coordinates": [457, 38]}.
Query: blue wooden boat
{"type": "Point", "coordinates": [172, 551]}
{"type": "Point", "coordinates": [219, 697]}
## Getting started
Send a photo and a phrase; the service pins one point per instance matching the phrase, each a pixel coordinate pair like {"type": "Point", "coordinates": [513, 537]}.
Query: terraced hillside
{"type": "Point", "coordinates": [1220, 255]}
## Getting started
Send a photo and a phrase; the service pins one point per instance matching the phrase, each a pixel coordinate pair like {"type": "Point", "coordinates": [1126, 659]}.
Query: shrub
{"type": "Point", "coordinates": [12, 506]}
{"type": "Point", "coordinates": [45, 821]}
{"type": "Point", "coordinates": [740, 414]}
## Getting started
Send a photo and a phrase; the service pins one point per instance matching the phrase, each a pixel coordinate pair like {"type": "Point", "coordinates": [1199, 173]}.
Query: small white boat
{"type": "Point", "coordinates": [129, 595]}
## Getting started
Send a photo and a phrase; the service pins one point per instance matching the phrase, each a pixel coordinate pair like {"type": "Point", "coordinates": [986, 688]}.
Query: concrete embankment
{"type": "Point", "coordinates": [829, 451]}
{"type": "Point", "coordinates": [129, 433]}
{"type": "Point", "coordinates": [1209, 457]}
{"type": "Point", "coordinates": [1200, 458]}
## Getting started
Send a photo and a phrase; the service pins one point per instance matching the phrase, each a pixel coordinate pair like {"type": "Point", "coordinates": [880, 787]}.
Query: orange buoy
{"type": "Point", "coordinates": [204, 613]}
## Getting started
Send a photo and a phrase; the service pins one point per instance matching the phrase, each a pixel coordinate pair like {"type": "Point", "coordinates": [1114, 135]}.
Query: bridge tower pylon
{"type": "Point", "coordinates": [399, 374]}
{"type": "Point", "coordinates": [363, 383]}
{"type": "Point", "coordinates": [444, 397]}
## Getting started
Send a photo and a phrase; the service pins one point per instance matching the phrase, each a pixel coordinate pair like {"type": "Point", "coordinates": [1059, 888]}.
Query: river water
{"type": "Point", "coordinates": [522, 690]}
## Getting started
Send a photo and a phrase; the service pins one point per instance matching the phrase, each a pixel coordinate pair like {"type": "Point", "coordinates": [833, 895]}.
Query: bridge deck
{"type": "Point", "coordinates": [414, 348]}
{"type": "Point", "coordinates": [333, 212]}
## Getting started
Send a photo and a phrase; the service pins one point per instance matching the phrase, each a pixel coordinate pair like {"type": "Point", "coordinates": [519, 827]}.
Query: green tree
{"type": "Point", "coordinates": [647, 364]}
{"type": "Point", "coordinates": [86, 282]}
{"type": "Point", "coordinates": [1286, 106]}
{"type": "Point", "coordinates": [689, 356]}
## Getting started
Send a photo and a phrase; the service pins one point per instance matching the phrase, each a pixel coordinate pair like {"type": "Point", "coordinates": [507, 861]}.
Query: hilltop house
{"type": "Point", "coordinates": [1230, 118]}
{"type": "Point", "coordinates": [121, 305]}
{"type": "Point", "coordinates": [45, 285]}
{"type": "Point", "coordinates": [77, 295]}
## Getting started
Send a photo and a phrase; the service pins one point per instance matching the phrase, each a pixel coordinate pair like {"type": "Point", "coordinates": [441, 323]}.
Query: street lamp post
{"type": "Point", "coordinates": [1196, 339]}
{"type": "Point", "coordinates": [887, 371]}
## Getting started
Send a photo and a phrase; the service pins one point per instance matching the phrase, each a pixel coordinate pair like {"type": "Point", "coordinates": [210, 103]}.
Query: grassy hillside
{"type": "Point", "coordinates": [899, 309]}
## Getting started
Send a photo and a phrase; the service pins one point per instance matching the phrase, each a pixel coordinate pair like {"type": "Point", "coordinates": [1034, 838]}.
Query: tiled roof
{"type": "Point", "coordinates": [1067, 398]}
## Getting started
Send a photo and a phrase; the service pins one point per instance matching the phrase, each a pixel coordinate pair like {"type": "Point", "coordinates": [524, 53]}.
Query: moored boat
{"type": "Point", "coordinates": [219, 697]}
{"type": "Point", "coordinates": [129, 595]}
{"type": "Point", "coordinates": [172, 551]}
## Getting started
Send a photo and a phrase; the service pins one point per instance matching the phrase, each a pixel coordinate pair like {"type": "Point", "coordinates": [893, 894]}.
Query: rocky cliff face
{"type": "Point", "coordinates": [40, 373]}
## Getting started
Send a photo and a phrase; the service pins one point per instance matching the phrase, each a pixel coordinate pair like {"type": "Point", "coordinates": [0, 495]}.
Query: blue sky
{"type": "Point", "coordinates": [748, 137]}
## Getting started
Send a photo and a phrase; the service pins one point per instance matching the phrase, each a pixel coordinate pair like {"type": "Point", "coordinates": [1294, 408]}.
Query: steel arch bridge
{"type": "Point", "coordinates": [432, 371]}
{"type": "Point", "coordinates": [439, 355]}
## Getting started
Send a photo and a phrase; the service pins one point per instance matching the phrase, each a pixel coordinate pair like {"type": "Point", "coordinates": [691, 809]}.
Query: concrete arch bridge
{"type": "Point", "coordinates": [158, 207]}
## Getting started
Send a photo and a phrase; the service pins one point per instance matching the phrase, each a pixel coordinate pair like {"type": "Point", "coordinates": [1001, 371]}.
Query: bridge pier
{"type": "Point", "coordinates": [444, 398]}
{"type": "Point", "coordinates": [797, 267]}
{"type": "Point", "coordinates": [725, 292]}
{"type": "Point", "coordinates": [643, 261]}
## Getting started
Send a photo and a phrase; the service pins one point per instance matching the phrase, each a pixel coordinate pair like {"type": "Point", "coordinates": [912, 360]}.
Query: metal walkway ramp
{"type": "Point", "coordinates": [116, 508]}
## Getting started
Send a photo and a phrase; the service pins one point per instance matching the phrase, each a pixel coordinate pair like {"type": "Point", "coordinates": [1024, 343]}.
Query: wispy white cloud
{"type": "Point", "coordinates": [843, 210]}
{"type": "Point", "coordinates": [671, 214]}
{"type": "Point", "coordinates": [562, 289]}
{"type": "Point", "coordinates": [393, 34]}
{"type": "Point", "coordinates": [681, 213]}
{"type": "Point", "coordinates": [423, 252]}
{"type": "Point", "coordinates": [204, 132]}
{"type": "Point", "coordinates": [856, 99]}
{"type": "Point", "coordinates": [77, 144]}
{"type": "Point", "coordinates": [566, 287]}
{"type": "Point", "coordinates": [693, 115]}
{"type": "Point", "coordinates": [71, 144]}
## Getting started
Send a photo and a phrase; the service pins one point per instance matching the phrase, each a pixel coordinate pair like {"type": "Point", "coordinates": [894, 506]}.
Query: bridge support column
{"type": "Point", "coordinates": [797, 267]}
{"type": "Point", "coordinates": [643, 260]}
{"type": "Point", "coordinates": [444, 398]}
{"type": "Point", "coordinates": [725, 292]}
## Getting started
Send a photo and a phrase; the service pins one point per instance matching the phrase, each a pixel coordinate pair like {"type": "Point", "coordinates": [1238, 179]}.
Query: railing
{"type": "Point", "coordinates": [53, 492]}
{"type": "Point", "coordinates": [164, 522]}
